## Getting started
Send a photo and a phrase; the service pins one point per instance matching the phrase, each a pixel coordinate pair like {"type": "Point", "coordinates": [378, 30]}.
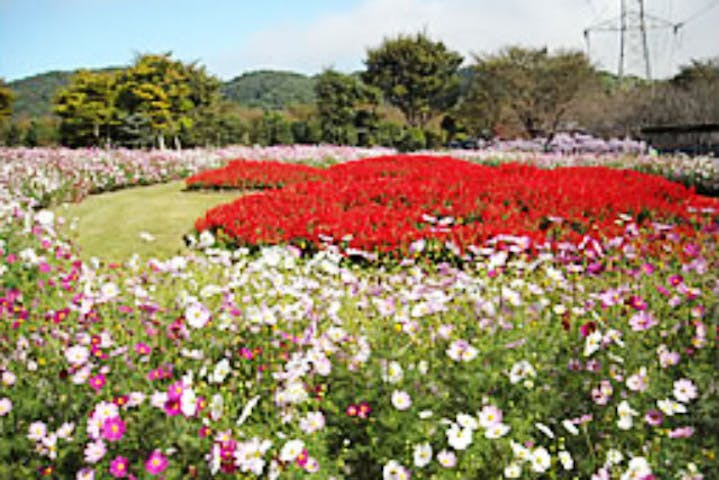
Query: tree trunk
{"type": "Point", "coordinates": [178, 145]}
{"type": "Point", "coordinates": [161, 141]}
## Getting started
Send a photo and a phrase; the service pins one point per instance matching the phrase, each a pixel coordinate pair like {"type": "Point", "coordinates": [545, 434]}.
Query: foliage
{"type": "Point", "coordinates": [415, 74]}
{"type": "Point", "coordinates": [6, 100]}
{"type": "Point", "coordinates": [87, 107]}
{"type": "Point", "coordinates": [270, 90]}
{"type": "Point", "coordinates": [344, 105]}
{"type": "Point", "coordinates": [536, 86]}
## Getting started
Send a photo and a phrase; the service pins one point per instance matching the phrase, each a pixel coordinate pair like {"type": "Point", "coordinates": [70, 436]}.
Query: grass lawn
{"type": "Point", "coordinates": [109, 224]}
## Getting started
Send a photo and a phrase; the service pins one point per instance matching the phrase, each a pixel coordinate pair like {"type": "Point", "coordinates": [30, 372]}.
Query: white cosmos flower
{"type": "Point", "coordinates": [513, 470]}
{"type": "Point", "coordinates": [566, 459]}
{"type": "Point", "coordinates": [422, 454]}
{"type": "Point", "coordinates": [401, 400]}
{"type": "Point", "coordinates": [520, 371]}
{"type": "Point", "coordinates": [392, 373]}
{"type": "Point", "coordinates": [459, 438]}
{"type": "Point", "coordinates": [291, 450]}
{"type": "Point", "coordinates": [197, 315]}
{"type": "Point", "coordinates": [497, 430]}
{"type": "Point", "coordinates": [540, 460]}
{"type": "Point", "coordinates": [592, 343]}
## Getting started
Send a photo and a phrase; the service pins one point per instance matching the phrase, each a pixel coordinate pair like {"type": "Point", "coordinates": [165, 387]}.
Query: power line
{"type": "Point", "coordinates": [696, 15]}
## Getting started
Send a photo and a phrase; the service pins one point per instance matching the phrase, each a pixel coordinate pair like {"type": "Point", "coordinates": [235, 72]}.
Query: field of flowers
{"type": "Point", "coordinates": [594, 355]}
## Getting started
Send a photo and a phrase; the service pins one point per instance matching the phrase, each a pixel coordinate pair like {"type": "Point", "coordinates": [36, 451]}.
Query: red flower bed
{"type": "Point", "coordinates": [253, 174]}
{"type": "Point", "coordinates": [386, 203]}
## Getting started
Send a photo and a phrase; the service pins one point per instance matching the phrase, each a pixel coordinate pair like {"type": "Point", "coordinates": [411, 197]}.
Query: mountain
{"type": "Point", "coordinates": [272, 90]}
{"type": "Point", "coordinates": [33, 95]}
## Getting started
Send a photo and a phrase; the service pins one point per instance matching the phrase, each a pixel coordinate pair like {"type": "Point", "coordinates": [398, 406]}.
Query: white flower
{"type": "Point", "coordinates": [393, 470]}
{"type": "Point", "coordinates": [513, 470]}
{"type": "Point", "coordinates": [220, 372]}
{"type": "Point", "coordinates": [197, 315]}
{"type": "Point", "coordinates": [77, 355]}
{"type": "Point", "coordinates": [447, 458]}
{"type": "Point", "coordinates": [570, 427]}
{"type": "Point", "coordinates": [422, 454]}
{"type": "Point", "coordinates": [520, 371]}
{"type": "Point", "coordinates": [626, 414]}
{"type": "Point", "coordinates": [461, 351]}
{"type": "Point", "coordinates": [401, 400]}
{"type": "Point", "coordinates": [37, 431]}
{"type": "Point", "coordinates": [45, 218]}
{"type": "Point", "coordinates": [459, 438]}
{"type": "Point", "coordinates": [544, 429]}
{"type": "Point", "coordinates": [638, 469]}
{"type": "Point", "coordinates": [521, 452]}
{"type": "Point", "coordinates": [592, 343]}
{"type": "Point", "coordinates": [5, 406]}
{"type": "Point", "coordinates": [312, 422]}
{"type": "Point", "coordinates": [684, 390]}
{"type": "Point", "coordinates": [109, 291]}
{"type": "Point", "coordinates": [146, 236]}
{"type": "Point", "coordinates": [540, 460]}
{"type": "Point", "coordinates": [467, 421]}
{"type": "Point", "coordinates": [566, 459]}
{"type": "Point", "coordinates": [670, 407]}
{"type": "Point", "coordinates": [247, 409]}
{"type": "Point", "coordinates": [188, 402]}
{"type": "Point", "coordinates": [497, 430]}
{"type": "Point", "coordinates": [614, 457]}
{"type": "Point", "coordinates": [65, 431]}
{"type": "Point", "coordinates": [291, 450]}
{"type": "Point", "coordinates": [393, 373]}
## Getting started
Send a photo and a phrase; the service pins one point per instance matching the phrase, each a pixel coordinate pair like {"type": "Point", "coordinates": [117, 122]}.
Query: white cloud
{"type": "Point", "coordinates": [340, 39]}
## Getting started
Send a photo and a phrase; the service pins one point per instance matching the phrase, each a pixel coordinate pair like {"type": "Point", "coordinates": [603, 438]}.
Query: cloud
{"type": "Point", "coordinates": [340, 39]}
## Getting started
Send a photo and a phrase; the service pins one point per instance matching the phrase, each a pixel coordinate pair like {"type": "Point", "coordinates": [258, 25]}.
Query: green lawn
{"type": "Point", "coordinates": [109, 225]}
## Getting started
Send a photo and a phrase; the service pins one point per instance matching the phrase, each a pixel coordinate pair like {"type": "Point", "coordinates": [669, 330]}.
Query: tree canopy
{"type": "Point", "coordinates": [6, 100]}
{"type": "Point", "coordinates": [415, 74]}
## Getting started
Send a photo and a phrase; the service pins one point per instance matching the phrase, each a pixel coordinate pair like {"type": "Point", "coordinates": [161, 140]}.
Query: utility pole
{"type": "Point", "coordinates": [633, 24]}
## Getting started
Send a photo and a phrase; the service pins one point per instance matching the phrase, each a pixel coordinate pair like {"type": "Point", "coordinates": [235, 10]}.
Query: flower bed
{"type": "Point", "coordinates": [386, 204]}
{"type": "Point", "coordinates": [249, 174]}
{"type": "Point", "coordinates": [596, 360]}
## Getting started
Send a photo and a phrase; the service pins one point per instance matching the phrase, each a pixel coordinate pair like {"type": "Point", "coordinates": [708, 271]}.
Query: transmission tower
{"type": "Point", "coordinates": [632, 24]}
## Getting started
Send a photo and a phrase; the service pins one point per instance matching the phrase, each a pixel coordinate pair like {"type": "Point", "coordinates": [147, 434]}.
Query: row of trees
{"type": "Point", "coordinates": [413, 93]}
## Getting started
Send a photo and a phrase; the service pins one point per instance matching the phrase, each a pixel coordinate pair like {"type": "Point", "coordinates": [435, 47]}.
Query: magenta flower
{"type": "Point", "coordinates": [142, 349]}
{"type": "Point", "coordinates": [156, 463]}
{"type": "Point", "coordinates": [118, 467]}
{"type": "Point", "coordinates": [113, 429]}
{"type": "Point", "coordinates": [654, 417]}
{"type": "Point", "coordinates": [97, 382]}
{"type": "Point", "coordinates": [173, 408]}
{"type": "Point", "coordinates": [175, 391]}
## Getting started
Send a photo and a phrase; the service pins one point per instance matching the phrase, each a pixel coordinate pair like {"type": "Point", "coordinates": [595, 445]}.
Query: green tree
{"type": "Point", "coordinates": [87, 108]}
{"type": "Point", "coordinates": [165, 92]}
{"type": "Point", "coordinates": [415, 74]}
{"type": "Point", "coordinates": [344, 103]}
{"type": "Point", "coordinates": [537, 87]}
{"type": "Point", "coordinates": [6, 100]}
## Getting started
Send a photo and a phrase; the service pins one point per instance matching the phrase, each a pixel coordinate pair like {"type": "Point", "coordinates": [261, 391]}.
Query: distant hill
{"type": "Point", "coordinates": [33, 95]}
{"type": "Point", "coordinates": [271, 90]}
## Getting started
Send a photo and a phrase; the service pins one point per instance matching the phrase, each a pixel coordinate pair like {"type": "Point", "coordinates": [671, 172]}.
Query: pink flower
{"type": "Point", "coordinates": [142, 349]}
{"type": "Point", "coordinates": [113, 429]}
{"type": "Point", "coordinates": [175, 391]}
{"type": "Point", "coordinates": [654, 417]}
{"type": "Point", "coordinates": [118, 467]}
{"type": "Point", "coordinates": [684, 390]}
{"type": "Point", "coordinates": [156, 463]}
{"type": "Point", "coordinates": [681, 432]}
{"type": "Point", "coordinates": [642, 320]}
{"type": "Point", "coordinates": [639, 381]}
{"type": "Point", "coordinates": [173, 408]}
{"type": "Point", "coordinates": [97, 382]}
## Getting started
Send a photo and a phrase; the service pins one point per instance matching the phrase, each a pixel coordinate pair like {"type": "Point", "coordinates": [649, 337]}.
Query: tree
{"type": "Point", "coordinates": [416, 75]}
{"type": "Point", "coordinates": [165, 93]}
{"type": "Point", "coordinates": [87, 108]}
{"type": "Point", "coordinates": [6, 100]}
{"type": "Point", "coordinates": [537, 87]}
{"type": "Point", "coordinates": [343, 102]}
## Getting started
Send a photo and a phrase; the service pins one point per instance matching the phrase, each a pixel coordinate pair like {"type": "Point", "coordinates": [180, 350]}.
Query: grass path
{"type": "Point", "coordinates": [109, 224]}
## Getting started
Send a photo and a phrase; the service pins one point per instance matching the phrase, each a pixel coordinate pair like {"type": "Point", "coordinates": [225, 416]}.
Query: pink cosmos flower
{"type": "Point", "coordinates": [654, 417]}
{"type": "Point", "coordinates": [156, 463]}
{"type": "Point", "coordinates": [113, 429]}
{"type": "Point", "coordinates": [118, 467]}
{"type": "Point", "coordinates": [642, 320]}
{"type": "Point", "coordinates": [173, 408]}
{"type": "Point", "coordinates": [684, 390]}
{"type": "Point", "coordinates": [142, 349]}
{"type": "Point", "coordinates": [681, 432]}
{"type": "Point", "coordinates": [97, 382]}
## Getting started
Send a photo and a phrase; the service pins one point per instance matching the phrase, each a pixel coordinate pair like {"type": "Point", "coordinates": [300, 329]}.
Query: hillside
{"type": "Point", "coordinates": [270, 89]}
{"type": "Point", "coordinates": [33, 95]}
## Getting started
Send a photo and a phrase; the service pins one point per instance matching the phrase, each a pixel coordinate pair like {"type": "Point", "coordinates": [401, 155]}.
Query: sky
{"type": "Point", "coordinates": [231, 37]}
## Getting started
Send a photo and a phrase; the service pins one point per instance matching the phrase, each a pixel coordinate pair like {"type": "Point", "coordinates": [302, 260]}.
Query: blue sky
{"type": "Point", "coordinates": [234, 36]}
